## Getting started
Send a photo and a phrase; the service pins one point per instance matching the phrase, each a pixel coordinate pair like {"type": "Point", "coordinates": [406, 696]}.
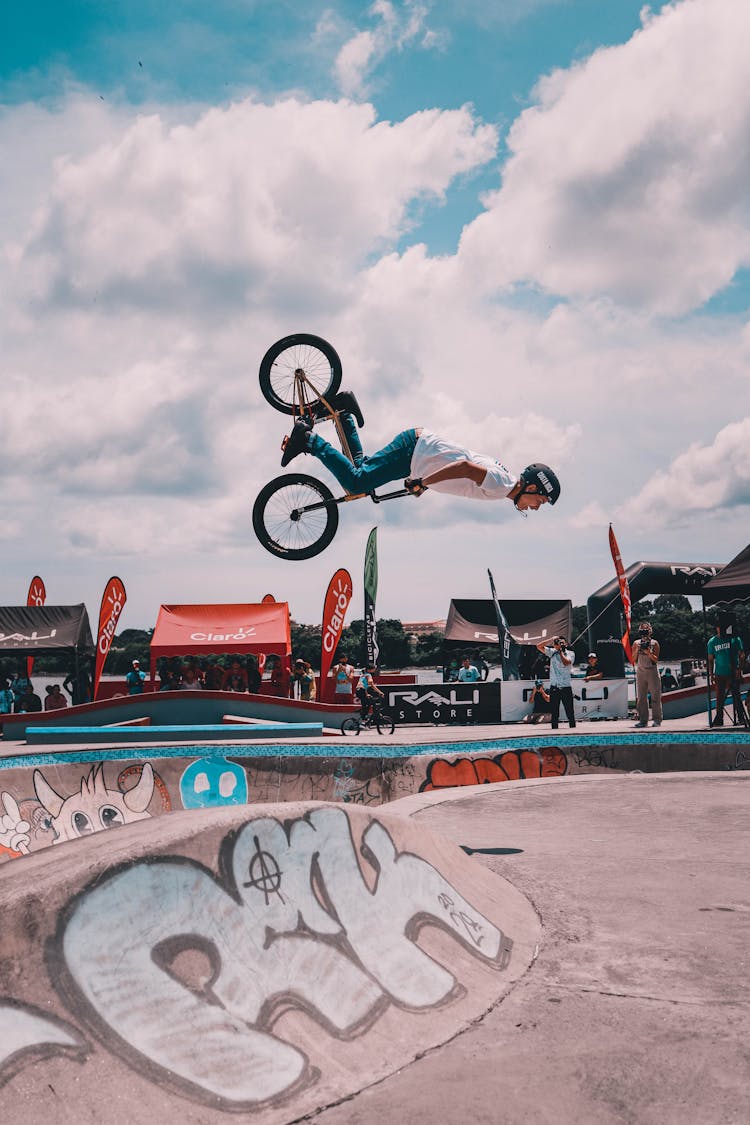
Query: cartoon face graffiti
{"type": "Point", "coordinates": [213, 782]}
{"type": "Point", "coordinates": [95, 808]}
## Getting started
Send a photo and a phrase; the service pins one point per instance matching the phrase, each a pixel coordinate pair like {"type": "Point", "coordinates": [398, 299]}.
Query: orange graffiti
{"type": "Point", "coordinates": [512, 765]}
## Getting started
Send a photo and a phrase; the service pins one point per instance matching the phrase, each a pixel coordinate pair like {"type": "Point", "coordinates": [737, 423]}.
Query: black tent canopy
{"type": "Point", "coordinates": [36, 630]}
{"type": "Point", "coordinates": [732, 583]}
{"type": "Point", "coordinates": [530, 621]}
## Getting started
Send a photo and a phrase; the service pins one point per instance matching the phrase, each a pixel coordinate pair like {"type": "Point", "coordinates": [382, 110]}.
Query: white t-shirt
{"type": "Point", "coordinates": [432, 453]}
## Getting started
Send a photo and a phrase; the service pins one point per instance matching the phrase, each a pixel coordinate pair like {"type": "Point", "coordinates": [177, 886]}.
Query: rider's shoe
{"type": "Point", "coordinates": [296, 442]}
{"type": "Point", "coordinates": [346, 402]}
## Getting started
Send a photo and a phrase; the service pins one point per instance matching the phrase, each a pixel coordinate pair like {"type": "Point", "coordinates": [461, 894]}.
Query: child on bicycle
{"type": "Point", "coordinates": [423, 459]}
{"type": "Point", "coordinates": [368, 691]}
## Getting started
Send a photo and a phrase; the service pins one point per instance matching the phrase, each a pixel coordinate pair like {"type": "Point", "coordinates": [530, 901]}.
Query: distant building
{"type": "Point", "coordinates": [422, 628]}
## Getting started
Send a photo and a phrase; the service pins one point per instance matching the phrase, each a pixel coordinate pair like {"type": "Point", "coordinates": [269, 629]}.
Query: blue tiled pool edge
{"type": "Point", "coordinates": [357, 749]}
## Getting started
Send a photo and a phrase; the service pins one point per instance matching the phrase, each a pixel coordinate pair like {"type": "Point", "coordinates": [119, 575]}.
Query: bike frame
{"type": "Point", "coordinates": [305, 407]}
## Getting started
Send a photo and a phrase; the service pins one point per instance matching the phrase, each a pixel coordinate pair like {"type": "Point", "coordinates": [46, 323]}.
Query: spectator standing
{"type": "Point", "coordinates": [343, 679]}
{"type": "Point", "coordinates": [593, 671]}
{"type": "Point", "coordinates": [19, 685]}
{"type": "Point", "coordinates": [213, 676]}
{"type": "Point", "coordinates": [647, 682]}
{"type": "Point", "coordinates": [541, 708]}
{"type": "Point", "coordinates": [190, 681]}
{"type": "Point", "coordinates": [668, 681]}
{"type": "Point", "coordinates": [78, 686]}
{"type": "Point", "coordinates": [30, 701]}
{"type": "Point", "coordinates": [468, 673]}
{"type": "Point", "coordinates": [726, 658]}
{"type": "Point", "coordinates": [6, 697]}
{"type": "Point", "coordinates": [235, 678]}
{"type": "Point", "coordinates": [134, 679]}
{"type": "Point", "coordinates": [254, 679]}
{"type": "Point", "coordinates": [560, 688]}
{"type": "Point", "coordinates": [481, 664]}
{"type": "Point", "coordinates": [55, 699]}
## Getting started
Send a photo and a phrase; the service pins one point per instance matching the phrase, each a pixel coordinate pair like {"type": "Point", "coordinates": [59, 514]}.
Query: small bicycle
{"type": "Point", "coordinates": [296, 516]}
{"type": "Point", "coordinates": [377, 719]}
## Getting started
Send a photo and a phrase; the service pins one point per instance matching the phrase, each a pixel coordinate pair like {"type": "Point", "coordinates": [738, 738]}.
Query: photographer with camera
{"type": "Point", "coordinates": [647, 681]}
{"type": "Point", "coordinates": [560, 689]}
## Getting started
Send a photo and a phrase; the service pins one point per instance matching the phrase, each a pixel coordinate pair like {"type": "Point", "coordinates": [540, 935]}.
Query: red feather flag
{"type": "Point", "coordinates": [624, 592]}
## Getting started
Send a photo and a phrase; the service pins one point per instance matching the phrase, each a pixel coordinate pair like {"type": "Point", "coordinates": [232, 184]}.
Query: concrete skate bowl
{"type": "Point", "coordinates": [211, 963]}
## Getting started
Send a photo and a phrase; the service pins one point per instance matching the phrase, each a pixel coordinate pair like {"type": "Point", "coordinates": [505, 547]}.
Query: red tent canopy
{"type": "Point", "coordinates": [182, 630]}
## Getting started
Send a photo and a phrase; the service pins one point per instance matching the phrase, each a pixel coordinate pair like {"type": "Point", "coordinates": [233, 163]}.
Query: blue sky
{"type": "Point", "coordinates": [523, 222]}
{"type": "Point", "coordinates": [138, 52]}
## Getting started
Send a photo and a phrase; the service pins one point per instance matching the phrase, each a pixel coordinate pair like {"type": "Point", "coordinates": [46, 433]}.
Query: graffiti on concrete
{"type": "Point", "coordinates": [203, 964]}
{"type": "Point", "coordinates": [213, 783]}
{"type": "Point", "coordinates": [49, 818]}
{"type": "Point", "coordinates": [511, 765]}
{"type": "Point", "coordinates": [95, 808]}
{"type": "Point", "coordinates": [26, 1033]}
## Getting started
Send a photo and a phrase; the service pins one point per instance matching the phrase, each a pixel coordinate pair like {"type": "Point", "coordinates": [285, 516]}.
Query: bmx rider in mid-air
{"type": "Point", "coordinates": [423, 460]}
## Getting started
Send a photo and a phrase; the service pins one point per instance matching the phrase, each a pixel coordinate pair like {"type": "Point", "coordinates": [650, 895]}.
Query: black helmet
{"type": "Point", "coordinates": [545, 480]}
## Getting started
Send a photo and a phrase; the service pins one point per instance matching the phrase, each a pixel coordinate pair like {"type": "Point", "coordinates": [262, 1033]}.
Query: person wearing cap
{"type": "Point", "coordinates": [560, 688]}
{"type": "Point", "coordinates": [424, 460]}
{"type": "Point", "coordinates": [135, 678]}
{"type": "Point", "coordinates": [647, 681]}
{"type": "Point", "coordinates": [593, 672]}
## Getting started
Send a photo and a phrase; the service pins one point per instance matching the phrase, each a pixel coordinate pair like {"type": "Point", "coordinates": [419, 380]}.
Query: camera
{"type": "Point", "coordinates": [645, 642]}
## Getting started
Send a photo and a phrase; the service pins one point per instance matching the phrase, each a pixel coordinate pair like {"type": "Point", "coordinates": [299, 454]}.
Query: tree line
{"type": "Point", "coordinates": [680, 631]}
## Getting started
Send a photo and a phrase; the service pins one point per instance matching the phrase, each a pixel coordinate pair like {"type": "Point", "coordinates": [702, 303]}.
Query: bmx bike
{"type": "Point", "coordinates": [376, 719]}
{"type": "Point", "coordinates": [296, 516]}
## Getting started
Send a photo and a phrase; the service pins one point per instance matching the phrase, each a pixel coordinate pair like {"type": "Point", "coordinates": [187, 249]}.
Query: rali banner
{"type": "Point", "coordinates": [37, 595]}
{"type": "Point", "coordinates": [337, 599]}
{"type": "Point", "coordinates": [113, 602]}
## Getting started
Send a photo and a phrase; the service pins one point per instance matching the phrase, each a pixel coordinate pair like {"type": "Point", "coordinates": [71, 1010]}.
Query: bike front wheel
{"type": "Point", "coordinates": [305, 353]}
{"type": "Point", "coordinates": [350, 726]}
{"type": "Point", "coordinates": [283, 522]}
{"type": "Point", "coordinates": [385, 723]}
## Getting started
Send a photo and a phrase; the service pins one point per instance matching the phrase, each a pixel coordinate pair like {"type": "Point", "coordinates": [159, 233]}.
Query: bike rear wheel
{"type": "Point", "coordinates": [350, 726]}
{"type": "Point", "coordinates": [284, 528]}
{"type": "Point", "coordinates": [303, 352]}
{"type": "Point", "coordinates": [384, 722]}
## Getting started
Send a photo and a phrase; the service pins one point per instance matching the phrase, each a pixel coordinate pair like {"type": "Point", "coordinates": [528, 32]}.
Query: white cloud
{"type": "Point", "coordinates": [284, 197]}
{"type": "Point", "coordinates": [630, 175]}
{"type": "Point", "coordinates": [396, 27]}
{"type": "Point", "coordinates": [704, 479]}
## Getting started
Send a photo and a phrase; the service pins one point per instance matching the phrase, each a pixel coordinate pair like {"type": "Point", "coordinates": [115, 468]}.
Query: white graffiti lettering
{"type": "Point", "coordinates": [23, 1030]}
{"type": "Point", "coordinates": [299, 927]}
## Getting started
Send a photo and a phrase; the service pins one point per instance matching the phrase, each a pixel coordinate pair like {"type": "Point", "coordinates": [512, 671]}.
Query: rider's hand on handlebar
{"type": "Point", "coordinates": [415, 486]}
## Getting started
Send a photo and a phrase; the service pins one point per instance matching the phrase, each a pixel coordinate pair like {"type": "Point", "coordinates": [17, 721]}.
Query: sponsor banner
{"type": "Point", "coordinates": [624, 592]}
{"type": "Point", "coordinates": [445, 703]}
{"type": "Point", "coordinates": [338, 596]}
{"type": "Point", "coordinates": [372, 652]}
{"type": "Point", "coordinates": [113, 602]}
{"type": "Point", "coordinates": [602, 699]}
{"type": "Point", "coordinates": [37, 595]}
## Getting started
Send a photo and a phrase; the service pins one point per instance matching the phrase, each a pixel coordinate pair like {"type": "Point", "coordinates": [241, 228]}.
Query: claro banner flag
{"type": "Point", "coordinates": [113, 602]}
{"type": "Point", "coordinates": [37, 595]}
{"type": "Point", "coordinates": [338, 596]}
{"type": "Point", "coordinates": [371, 592]}
{"type": "Point", "coordinates": [624, 592]}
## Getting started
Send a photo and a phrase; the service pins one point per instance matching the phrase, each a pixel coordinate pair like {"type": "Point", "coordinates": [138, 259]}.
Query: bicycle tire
{"type": "Point", "coordinates": [317, 358]}
{"type": "Point", "coordinates": [281, 534]}
{"type": "Point", "coordinates": [350, 726]}
{"type": "Point", "coordinates": [385, 723]}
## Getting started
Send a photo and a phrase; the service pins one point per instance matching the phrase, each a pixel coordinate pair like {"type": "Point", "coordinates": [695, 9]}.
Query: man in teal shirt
{"type": "Point", "coordinates": [725, 663]}
{"type": "Point", "coordinates": [468, 673]}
